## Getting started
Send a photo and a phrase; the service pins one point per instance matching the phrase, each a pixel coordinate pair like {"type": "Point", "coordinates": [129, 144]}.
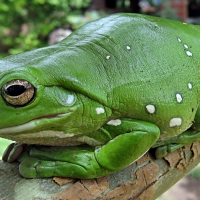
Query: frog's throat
{"type": "Point", "coordinates": [31, 125]}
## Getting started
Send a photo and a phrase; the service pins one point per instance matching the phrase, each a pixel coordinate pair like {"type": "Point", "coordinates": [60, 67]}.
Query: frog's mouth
{"type": "Point", "coordinates": [32, 124]}
{"type": "Point", "coordinates": [50, 116]}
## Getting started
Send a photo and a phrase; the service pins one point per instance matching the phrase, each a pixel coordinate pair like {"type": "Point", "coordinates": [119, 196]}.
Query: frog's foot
{"type": "Point", "coordinates": [74, 162]}
{"type": "Point", "coordinates": [172, 144]}
{"type": "Point", "coordinates": [165, 149]}
{"type": "Point", "coordinates": [91, 162]}
{"type": "Point", "coordinates": [13, 151]}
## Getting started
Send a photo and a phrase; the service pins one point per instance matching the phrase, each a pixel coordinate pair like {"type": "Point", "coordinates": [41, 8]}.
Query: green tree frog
{"type": "Point", "coordinates": [98, 100]}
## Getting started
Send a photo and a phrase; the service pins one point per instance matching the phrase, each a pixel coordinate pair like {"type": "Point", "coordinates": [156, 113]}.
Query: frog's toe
{"type": "Point", "coordinates": [161, 152]}
{"type": "Point", "coordinates": [7, 152]}
{"type": "Point", "coordinates": [165, 149]}
{"type": "Point", "coordinates": [27, 167]}
{"type": "Point", "coordinates": [33, 168]}
{"type": "Point", "coordinates": [12, 152]}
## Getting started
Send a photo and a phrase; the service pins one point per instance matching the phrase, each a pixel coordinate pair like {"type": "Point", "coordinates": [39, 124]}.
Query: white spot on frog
{"type": "Point", "coordinates": [179, 39]}
{"type": "Point", "coordinates": [128, 47]}
{"type": "Point", "coordinates": [115, 122]}
{"type": "Point", "coordinates": [179, 98]}
{"type": "Point", "coordinates": [108, 57]}
{"type": "Point", "coordinates": [100, 111]}
{"type": "Point", "coordinates": [188, 53]}
{"type": "Point", "coordinates": [186, 47]}
{"type": "Point", "coordinates": [151, 109]}
{"type": "Point", "coordinates": [190, 86]}
{"type": "Point", "coordinates": [175, 122]}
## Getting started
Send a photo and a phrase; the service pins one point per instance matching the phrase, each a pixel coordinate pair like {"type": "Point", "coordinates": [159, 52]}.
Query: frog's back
{"type": "Point", "coordinates": [146, 67]}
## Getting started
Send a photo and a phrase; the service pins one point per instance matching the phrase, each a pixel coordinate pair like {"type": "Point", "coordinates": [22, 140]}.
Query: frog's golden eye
{"type": "Point", "coordinates": [18, 92]}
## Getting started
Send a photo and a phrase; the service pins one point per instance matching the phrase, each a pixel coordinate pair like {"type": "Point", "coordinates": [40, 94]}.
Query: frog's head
{"type": "Point", "coordinates": [37, 107]}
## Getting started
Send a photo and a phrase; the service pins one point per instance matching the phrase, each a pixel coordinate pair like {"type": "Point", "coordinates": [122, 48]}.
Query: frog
{"type": "Point", "coordinates": [95, 102]}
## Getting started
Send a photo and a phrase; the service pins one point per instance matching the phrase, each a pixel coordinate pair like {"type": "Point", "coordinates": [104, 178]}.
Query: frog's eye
{"type": "Point", "coordinates": [18, 92]}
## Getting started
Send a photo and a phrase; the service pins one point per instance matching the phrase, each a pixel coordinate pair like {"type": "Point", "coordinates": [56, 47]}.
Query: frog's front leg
{"type": "Point", "coordinates": [131, 139]}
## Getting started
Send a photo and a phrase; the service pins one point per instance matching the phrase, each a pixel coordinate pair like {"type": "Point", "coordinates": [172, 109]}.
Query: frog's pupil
{"type": "Point", "coordinates": [15, 90]}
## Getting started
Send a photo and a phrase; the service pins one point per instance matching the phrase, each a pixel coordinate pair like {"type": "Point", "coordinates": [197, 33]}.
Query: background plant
{"type": "Point", "coordinates": [25, 25]}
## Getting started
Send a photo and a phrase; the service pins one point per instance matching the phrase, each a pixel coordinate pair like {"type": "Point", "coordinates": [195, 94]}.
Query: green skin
{"type": "Point", "coordinates": [102, 97]}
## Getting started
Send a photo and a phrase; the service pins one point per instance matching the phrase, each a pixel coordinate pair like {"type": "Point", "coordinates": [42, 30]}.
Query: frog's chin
{"type": "Point", "coordinates": [31, 125]}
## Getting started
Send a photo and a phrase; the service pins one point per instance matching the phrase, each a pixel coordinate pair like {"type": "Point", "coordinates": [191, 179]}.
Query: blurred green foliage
{"type": "Point", "coordinates": [195, 173]}
{"type": "Point", "coordinates": [25, 25]}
